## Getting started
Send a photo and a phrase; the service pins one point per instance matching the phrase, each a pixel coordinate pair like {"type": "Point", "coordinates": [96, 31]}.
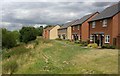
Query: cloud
{"type": "Point", "coordinates": [32, 13]}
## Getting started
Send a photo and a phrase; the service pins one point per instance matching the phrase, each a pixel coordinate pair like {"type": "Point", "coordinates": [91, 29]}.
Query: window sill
{"type": "Point", "coordinates": [104, 25]}
{"type": "Point", "coordinates": [107, 42]}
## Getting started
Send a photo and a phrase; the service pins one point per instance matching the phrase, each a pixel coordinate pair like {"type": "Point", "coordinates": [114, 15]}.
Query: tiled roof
{"type": "Point", "coordinates": [68, 24]}
{"type": "Point", "coordinates": [108, 12]}
{"type": "Point", "coordinates": [83, 19]}
{"type": "Point", "coordinates": [49, 28]}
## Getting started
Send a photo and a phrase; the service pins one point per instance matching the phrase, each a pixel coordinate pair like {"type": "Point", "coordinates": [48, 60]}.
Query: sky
{"type": "Point", "coordinates": [16, 14]}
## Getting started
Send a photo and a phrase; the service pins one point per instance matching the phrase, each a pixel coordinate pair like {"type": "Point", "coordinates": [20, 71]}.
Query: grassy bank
{"type": "Point", "coordinates": [60, 57]}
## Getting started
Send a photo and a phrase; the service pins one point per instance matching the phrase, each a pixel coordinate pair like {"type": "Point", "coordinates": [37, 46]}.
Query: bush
{"type": "Point", "coordinates": [39, 31]}
{"type": "Point", "coordinates": [84, 43]}
{"type": "Point", "coordinates": [46, 41]}
{"type": "Point", "coordinates": [16, 35]}
{"type": "Point", "coordinates": [28, 34]}
{"type": "Point", "coordinates": [10, 66]}
{"type": "Point", "coordinates": [14, 51]}
{"type": "Point", "coordinates": [58, 39]}
{"type": "Point", "coordinates": [8, 39]}
{"type": "Point", "coordinates": [108, 46]}
{"type": "Point", "coordinates": [77, 41]}
{"type": "Point", "coordinates": [93, 45]}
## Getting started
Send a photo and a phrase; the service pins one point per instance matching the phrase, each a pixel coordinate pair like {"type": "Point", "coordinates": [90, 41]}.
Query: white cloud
{"type": "Point", "coordinates": [60, 1]}
{"type": "Point", "coordinates": [32, 13]}
{"type": "Point", "coordinates": [38, 25]}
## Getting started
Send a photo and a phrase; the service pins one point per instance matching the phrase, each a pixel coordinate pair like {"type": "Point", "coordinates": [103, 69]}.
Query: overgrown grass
{"type": "Point", "coordinates": [64, 57]}
{"type": "Point", "coordinates": [14, 51]}
{"type": "Point", "coordinates": [10, 67]}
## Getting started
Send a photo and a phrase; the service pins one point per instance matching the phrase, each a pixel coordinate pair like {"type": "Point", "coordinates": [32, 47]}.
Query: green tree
{"type": "Point", "coordinates": [28, 34]}
{"type": "Point", "coordinates": [39, 31]}
{"type": "Point", "coordinates": [16, 35]}
{"type": "Point", "coordinates": [47, 26]}
{"type": "Point", "coordinates": [8, 39]}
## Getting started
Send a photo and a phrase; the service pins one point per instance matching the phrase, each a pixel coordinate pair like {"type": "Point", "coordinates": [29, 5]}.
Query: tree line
{"type": "Point", "coordinates": [25, 34]}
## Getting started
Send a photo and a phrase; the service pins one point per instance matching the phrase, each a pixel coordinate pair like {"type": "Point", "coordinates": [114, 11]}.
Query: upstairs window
{"type": "Point", "coordinates": [93, 24]}
{"type": "Point", "coordinates": [73, 27]}
{"type": "Point", "coordinates": [78, 27]}
{"type": "Point", "coordinates": [105, 23]}
{"type": "Point", "coordinates": [107, 39]}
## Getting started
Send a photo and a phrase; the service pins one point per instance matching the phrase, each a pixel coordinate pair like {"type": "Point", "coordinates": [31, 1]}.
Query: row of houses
{"type": "Point", "coordinates": [101, 28]}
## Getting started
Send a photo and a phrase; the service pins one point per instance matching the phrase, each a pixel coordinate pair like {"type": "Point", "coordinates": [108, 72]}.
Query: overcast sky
{"type": "Point", "coordinates": [18, 14]}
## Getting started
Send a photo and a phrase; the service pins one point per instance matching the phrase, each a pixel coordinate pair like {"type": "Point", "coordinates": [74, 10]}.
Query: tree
{"type": "Point", "coordinates": [16, 35]}
{"type": "Point", "coordinates": [40, 30]}
{"type": "Point", "coordinates": [8, 39]}
{"type": "Point", "coordinates": [47, 26]}
{"type": "Point", "coordinates": [28, 34]}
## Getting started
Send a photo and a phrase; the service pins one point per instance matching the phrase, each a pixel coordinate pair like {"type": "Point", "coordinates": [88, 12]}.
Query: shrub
{"type": "Point", "coordinates": [14, 51]}
{"type": "Point", "coordinates": [68, 40]}
{"type": "Point", "coordinates": [77, 41]}
{"type": "Point", "coordinates": [28, 34]}
{"type": "Point", "coordinates": [58, 39]}
{"type": "Point", "coordinates": [8, 39]}
{"type": "Point", "coordinates": [39, 31]}
{"type": "Point", "coordinates": [94, 45]}
{"type": "Point", "coordinates": [84, 43]}
{"type": "Point", "coordinates": [80, 44]}
{"type": "Point", "coordinates": [108, 46]}
{"type": "Point", "coordinates": [45, 40]}
{"type": "Point", "coordinates": [10, 66]}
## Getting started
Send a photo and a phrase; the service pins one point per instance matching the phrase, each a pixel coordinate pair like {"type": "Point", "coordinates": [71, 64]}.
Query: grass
{"type": "Point", "coordinates": [64, 57]}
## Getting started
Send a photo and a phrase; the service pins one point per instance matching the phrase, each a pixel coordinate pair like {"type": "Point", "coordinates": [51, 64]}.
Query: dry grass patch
{"type": "Point", "coordinates": [100, 60]}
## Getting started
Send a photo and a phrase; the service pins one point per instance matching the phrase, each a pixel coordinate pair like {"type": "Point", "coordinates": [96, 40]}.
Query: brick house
{"type": "Point", "coordinates": [105, 27]}
{"type": "Point", "coordinates": [64, 32]}
{"type": "Point", "coordinates": [51, 32]}
{"type": "Point", "coordinates": [80, 29]}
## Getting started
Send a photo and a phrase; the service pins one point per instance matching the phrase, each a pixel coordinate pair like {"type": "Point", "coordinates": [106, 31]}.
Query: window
{"type": "Point", "coordinates": [59, 36]}
{"type": "Point", "coordinates": [105, 23]}
{"type": "Point", "coordinates": [93, 24]}
{"type": "Point", "coordinates": [73, 27]}
{"type": "Point", "coordinates": [107, 39]}
{"type": "Point", "coordinates": [78, 27]}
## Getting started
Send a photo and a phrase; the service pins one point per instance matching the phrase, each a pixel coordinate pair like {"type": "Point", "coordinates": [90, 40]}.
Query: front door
{"type": "Point", "coordinates": [100, 40]}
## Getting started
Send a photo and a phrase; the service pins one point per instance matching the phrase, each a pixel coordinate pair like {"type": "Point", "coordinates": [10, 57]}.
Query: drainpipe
{"type": "Point", "coordinates": [100, 40]}
{"type": "Point", "coordinates": [94, 38]}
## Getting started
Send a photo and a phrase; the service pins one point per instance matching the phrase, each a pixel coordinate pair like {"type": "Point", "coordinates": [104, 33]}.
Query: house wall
{"type": "Point", "coordinates": [62, 32]}
{"type": "Point", "coordinates": [69, 33]}
{"type": "Point", "coordinates": [54, 33]}
{"type": "Point", "coordinates": [76, 30]}
{"type": "Point", "coordinates": [118, 21]}
{"type": "Point", "coordinates": [116, 32]}
{"type": "Point", "coordinates": [98, 28]}
{"type": "Point", "coordinates": [115, 25]}
{"type": "Point", "coordinates": [85, 29]}
{"type": "Point", "coordinates": [46, 34]}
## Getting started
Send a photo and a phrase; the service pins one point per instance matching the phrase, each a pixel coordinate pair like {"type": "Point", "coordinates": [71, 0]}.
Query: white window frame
{"type": "Point", "coordinates": [78, 27]}
{"type": "Point", "coordinates": [93, 24]}
{"type": "Point", "coordinates": [107, 38]}
{"type": "Point", "coordinates": [73, 27]}
{"type": "Point", "coordinates": [104, 23]}
{"type": "Point", "coordinates": [91, 38]}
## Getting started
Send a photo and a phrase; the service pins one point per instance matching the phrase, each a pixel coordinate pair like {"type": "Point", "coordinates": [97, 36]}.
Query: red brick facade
{"type": "Point", "coordinates": [76, 34]}
{"type": "Point", "coordinates": [46, 34]}
{"type": "Point", "coordinates": [82, 30]}
{"type": "Point", "coordinates": [99, 33]}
